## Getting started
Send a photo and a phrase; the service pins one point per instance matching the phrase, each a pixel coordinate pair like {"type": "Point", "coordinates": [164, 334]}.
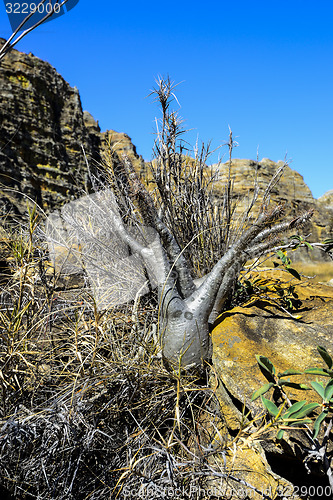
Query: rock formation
{"type": "Point", "coordinates": [42, 132]}
{"type": "Point", "coordinates": [261, 327]}
{"type": "Point", "coordinates": [291, 188]}
{"type": "Point", "coordinates": [291, 191]}
{"type": "Point", "coordinates": [326, 201]}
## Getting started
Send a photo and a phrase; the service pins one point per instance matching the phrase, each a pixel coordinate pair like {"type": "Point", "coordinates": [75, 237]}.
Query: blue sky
{"type": "Point", "coordinates": [263, 67]}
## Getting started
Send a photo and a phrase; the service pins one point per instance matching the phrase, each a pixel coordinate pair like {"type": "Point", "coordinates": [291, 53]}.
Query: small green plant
{"type": "Point", "coordinates": [300, 241]}
{"type": "Point", "coordinates": [296, 241]}
{"type": "Point", "coordinates": [286, 262]}
{"type": "Point", "coordinates": [289, 415]}
{"type": "Point", "coordinates": [283, 416]}
{"type": "Point", "coordinates": [280, 294]}
{"type": "Point", "coordinates": [280, 381]}
{"type": "Point", "coordinates": [324, 391]}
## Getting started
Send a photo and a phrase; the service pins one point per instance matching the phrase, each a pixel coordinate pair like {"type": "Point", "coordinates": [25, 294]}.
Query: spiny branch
{"type": "Point", "coordinates": [150, 216]}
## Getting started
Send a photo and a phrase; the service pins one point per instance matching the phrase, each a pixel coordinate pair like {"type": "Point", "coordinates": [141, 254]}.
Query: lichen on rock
{"type": "Point", "coordinates": [262, 328]}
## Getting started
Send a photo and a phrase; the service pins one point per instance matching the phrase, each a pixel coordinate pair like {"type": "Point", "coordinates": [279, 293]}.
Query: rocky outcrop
{"type": "Point", "coordinates": [111, 145]}
{"type": "Point", "coordinates": [326, 201]}
{"type": "Point", "coordinates": [263, 328]}
{"type": "Point", "coordinates": [43, 130]}
{"type": "Point", "coordinates": [291, 191]}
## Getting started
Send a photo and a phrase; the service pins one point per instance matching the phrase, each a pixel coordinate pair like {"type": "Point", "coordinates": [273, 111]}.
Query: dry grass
{"type": "Point", "coordinates": [88, 409]}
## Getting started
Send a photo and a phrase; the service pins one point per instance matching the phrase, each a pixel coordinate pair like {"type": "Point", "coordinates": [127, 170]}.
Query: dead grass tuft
{"type": "Point", "coordinates": [88, 409]}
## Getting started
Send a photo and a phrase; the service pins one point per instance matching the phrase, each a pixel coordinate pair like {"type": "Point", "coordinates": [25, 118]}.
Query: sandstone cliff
{"type": "Point", "coordinates": [326, 201]}
{"type": "Point", "coordinates": [291, 191]}
{"type": "Point", "coordinates": [42, 132]}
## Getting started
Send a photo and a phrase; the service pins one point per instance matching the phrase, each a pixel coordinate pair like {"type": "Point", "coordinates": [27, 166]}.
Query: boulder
{"type": "Point", "coordinates": [289, 341]}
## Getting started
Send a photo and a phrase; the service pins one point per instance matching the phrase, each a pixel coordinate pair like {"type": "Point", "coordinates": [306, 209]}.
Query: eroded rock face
{"type": "Point", "coordinates": [291, 191]}
{"type": "Point", "coordinates": [326, 201]}
{"type": "Point", "coordinates": [261, 328]}
{"type": "Point", "coordinates": [42, 132]}
{"type": "Point", "coordinates": [291, 188]}
{"type": "Point", "coordinates": [112, 145]}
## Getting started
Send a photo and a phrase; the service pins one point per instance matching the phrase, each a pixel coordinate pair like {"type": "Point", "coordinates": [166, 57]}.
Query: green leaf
{"type": "Point", "coordinates": [317, 371]}
{"type": "Point", "coordinates": [280, 434]}
{"type": "Point", "coordinates": [308, 245]}
{"type": "Point", "coordinates": [317, 424]}
{"type": "Point", "coordinates": [319, 388]}
{"type": "Point", "coordinates": [294, 385]}
{"type": "Point", "coordinates": [281, 255]}
{"type": "Point", "coordinates": [306, 410]}
{"type": "Point", "coordinates": [270, 406]}
{"type": "Point", "coordinates": [295, 237]}
{"type": "Point", "coordinates": [268, 369]}
{"type": "Point", "coordinates": [303, 421]}
{"type": "Point", "coordinates": [329, 372]}
{"type": "Point", "coordinates": [294, 409]}
{"type": "Point", "coordinates": [294, 273]}
{"type": "Point", "coordinates": [261, 391]}
{"type": "Point", "coordinates": [328, 241]}
{"type": "Point", "coordinates": [328, 391]}
{"type": "Point", "coordinates": [289, 372]}
{"type": "Point", "coordinates": [324, 354]}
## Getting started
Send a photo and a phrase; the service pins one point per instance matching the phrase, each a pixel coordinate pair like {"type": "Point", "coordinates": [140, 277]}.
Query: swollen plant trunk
{"type": "Point", "coordinates": [184, 333]}
{"type": "Point", "coordinates": [184, 323]}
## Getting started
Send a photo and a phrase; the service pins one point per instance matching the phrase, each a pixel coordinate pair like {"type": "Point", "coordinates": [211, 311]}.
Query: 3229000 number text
{"type": "Point", "coordinates": [27, 8]}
